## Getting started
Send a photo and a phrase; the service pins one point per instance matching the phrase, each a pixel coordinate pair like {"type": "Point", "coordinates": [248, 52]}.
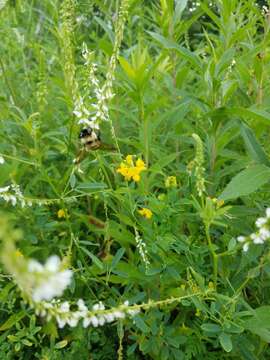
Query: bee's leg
{"type": "Point", "coordinates": [80, 156]}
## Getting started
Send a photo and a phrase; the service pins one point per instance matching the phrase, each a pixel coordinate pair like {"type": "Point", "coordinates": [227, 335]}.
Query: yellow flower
{"type": "Point", "coordinates": [140, 164]}
{"type": "Point", "coordinates": [61, 214]}
{"type": "Point", "coordinates": [171, 182]}
{"type": "Point", "coordinates": [129, 159]}
{"type": "Point", "coordinates": [146, 213]}
{"type": "Point", "coordinates": [18, 253]}
{"type": "Point", "coordinates": [219, 203]}
{"type": "Point", "coordinates": [129, 171]}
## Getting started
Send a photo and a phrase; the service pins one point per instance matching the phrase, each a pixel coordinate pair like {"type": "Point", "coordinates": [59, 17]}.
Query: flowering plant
{"type": "Point", "coordinates": [143, 247]}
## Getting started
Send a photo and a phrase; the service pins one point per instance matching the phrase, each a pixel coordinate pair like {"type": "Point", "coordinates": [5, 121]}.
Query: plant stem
{"type": "Point", "coordinates": [145, 131]}
{"type": "Point", "coordinates": [11, 90]}
{"type": "Point", "coordinates": [214, 255]}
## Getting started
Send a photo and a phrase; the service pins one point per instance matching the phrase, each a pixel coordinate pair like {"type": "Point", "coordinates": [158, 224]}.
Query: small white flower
{"type": "Point", "coordinates": [258, 240]}
{"type": "Point", "coordinates": [2, 160]}
{"type": "Point", "coordinates": [13, 200]}
{"type": "Point", "coordinates": [268, 212]}
{"type": "Point", "coordinates": [73, 321]}
{"type": "Point", "coordinates": [50, 282]}
{"type": "Point", "coordinates": [241, 239]}
{"type": "Point", "coordinates": [94, 321]}
{"type": "Point", "coordinates": [264, 233]}
{"type": "Point", "coordinates": [53, 263]}
{"type": "Point", "coordinates": [61, 322]}
{"type": "Point", "coordinates": [133, 312]}
{"type": "Point", "coordinates": [86, 322]}
{"type": "Point", "coordinates": [4, 189]}
{"type": "Point", "coordinates": [34, 266]}
{"type": "Point", "coordinates": [64, 308]}
{"type": "Point", "coordinates": [119, 314]}
{"type": "Point", "coordinates": [101, 306]}
{"type": "Point", "coordinates": [101, 320]}
{"type": "Point", "coordinates": [245, 247]}
{"type": "Point", "coordinates": [81, 305]}
{"type": "Point", "coordinates": [109, 317]}
{"type": "Point", "coordinates": [260, 222]}
{"type": "Point", "coordinates": [95, 307]}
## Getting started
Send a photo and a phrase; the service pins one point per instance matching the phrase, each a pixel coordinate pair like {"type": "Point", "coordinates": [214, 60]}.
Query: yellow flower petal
{"type": "Point", "coordinates": [171, 182]}
{"type": "Point", "coordinates": [136, 177]}
{"type": "Point", "coordinates": [129, 170]}
{"type": "Point", "coordinates": [147, 213]}
{"type": "Point", "coordinates": [61, 213]}
{"type": "Point", "coordinates": [140, 164]}
{"type": "Point", "coordinates": [129, 159]}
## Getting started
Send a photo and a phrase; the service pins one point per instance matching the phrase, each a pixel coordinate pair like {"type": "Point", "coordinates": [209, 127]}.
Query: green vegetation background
{"type": "Point", "coordinates": [180, 72]}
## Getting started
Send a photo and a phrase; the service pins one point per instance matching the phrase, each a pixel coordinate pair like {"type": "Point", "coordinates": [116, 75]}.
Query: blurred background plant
{"type": "Point", "coordinates": [184, 68]}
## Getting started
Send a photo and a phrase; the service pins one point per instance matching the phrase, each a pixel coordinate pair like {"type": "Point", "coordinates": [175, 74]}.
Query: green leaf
{"type": "Point", "coordinates": [211, 14]}
{"type": "Point", "coordinates": [61, 344]}
{"type": "Point", "coordinates": [185, 53]}
{"type": "Point", "coordinates": [118, 256]}
{"type": "Point", "coordinates": [5, 291]}
{"type": "Point", "coordinates": [259, 323]}
{"type": "Point", "coordinates": [95, 260]}
{"type": "Point", "coordinates": [105, 27]}
{"type": "Point", "coordinates": [90, 186]}
{"type": "Point", "coordinates": [127, 68]}
{"type": "Point", "coordinates": [180, 6]}
{"type": "Point", "coordinates": [226, 342]}
{"type": "Point", "coordinates": [164, 161]}
{"type": "Point", "coordinates": [139, 322]}
{"type": "Point", "coordinates": [211, 328]}
{"type": "Point", "coordinates": [251, 113]}
{"type": "Point", "coordinates": [252, 145]}
{"type": "Point", "coordinates": [12, 320]}
{"type": "Point", "coordinates": [72, 180]}
{"type": "Point", "coordinates": [246, 182]}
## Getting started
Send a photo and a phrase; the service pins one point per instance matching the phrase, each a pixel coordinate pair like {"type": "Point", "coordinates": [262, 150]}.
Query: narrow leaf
{"type": "Point", "coordinates": [246, 182]}
{"type": "Point", "coordinates": [169, 44]}
{"type": "Point", "coordinates": [12, 320]}
{"type": "Point", "coordinates": [95, 260]}
{"type": "Point", "coordinates": [253, 147]}
{"type": "Point", "coordinates": [226, 342]}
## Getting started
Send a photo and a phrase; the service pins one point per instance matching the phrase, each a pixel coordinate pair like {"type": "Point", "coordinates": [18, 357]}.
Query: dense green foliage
{"type": "Point", "coordinates": [192, 100]}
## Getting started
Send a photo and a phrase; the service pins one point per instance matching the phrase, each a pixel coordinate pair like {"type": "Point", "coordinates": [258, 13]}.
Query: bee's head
{"type": "Point", "coordinates": [85, 132]}
{"type": "Point", "coordinates": [88, 136]}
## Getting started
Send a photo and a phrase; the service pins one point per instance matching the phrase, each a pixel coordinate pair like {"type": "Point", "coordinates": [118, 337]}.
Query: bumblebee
{"type": "Point", "coordinates": [90, 139]}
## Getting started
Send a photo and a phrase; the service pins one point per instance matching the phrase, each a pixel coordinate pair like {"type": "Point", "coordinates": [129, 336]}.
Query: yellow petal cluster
{"type": "Point", "coordinates": [171, 182]}
{"type": "Point", "coordinates": [61, 214]}
{"type": "Point", "coordinates": [131, 170]}
{"type": "Point", "coordinates": [146, 213]}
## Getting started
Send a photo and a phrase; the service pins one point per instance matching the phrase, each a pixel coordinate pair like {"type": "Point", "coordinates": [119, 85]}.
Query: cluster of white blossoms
{"type": "Point", "coordinates": [49, 280]}
{"type": "Point", "coordinates": [100, 110]}
{"type": "Point", "coordinates": [91, 112]}
{"type": "Point", "coordinates": [2, 160]}
{"type": "Point", "coordinates": [42, 283]}
{"type": "Point", "coordinates": [141, 246]}
{"type": "Point", "coordinates": [12, 193]}
{"type": "Point", "coordinates": [97, 316]}
{"type": "Point", "coordinates": [261, 235]}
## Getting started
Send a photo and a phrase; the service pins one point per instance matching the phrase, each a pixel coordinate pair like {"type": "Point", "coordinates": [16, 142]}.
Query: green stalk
{"type": "Point", "coordinates": [8, 83]}
{"type": "Point", "coordinates": [214, 255]}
